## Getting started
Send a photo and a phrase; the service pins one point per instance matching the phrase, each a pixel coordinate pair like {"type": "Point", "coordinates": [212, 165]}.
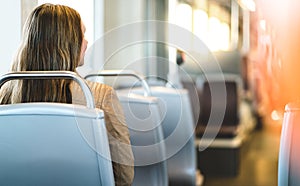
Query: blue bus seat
{"type": "Point", "coordinates": [178, 127]}
{"type": "Point", "coordinates": [144, 117]}
{"type": "Point", "coordinates": [53, 143]}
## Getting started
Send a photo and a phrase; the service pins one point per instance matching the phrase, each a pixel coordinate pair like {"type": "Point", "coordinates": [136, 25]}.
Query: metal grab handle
{"type": "Point", "coordinates": [51, 75]}
{"type": "Point", "coordinates": [145, 85]}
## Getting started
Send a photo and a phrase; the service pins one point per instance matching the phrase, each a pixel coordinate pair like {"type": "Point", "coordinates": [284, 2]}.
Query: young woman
{"type": "Point", "coordinates": [53, 39]}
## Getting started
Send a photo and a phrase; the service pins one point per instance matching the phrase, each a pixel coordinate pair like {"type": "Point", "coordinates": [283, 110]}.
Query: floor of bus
{"type": "Point", "coordinates": [259, 160]}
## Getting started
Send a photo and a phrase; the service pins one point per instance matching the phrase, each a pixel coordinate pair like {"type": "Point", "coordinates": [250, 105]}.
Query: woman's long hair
{"type": "Point", "coordinates": [52, 39]}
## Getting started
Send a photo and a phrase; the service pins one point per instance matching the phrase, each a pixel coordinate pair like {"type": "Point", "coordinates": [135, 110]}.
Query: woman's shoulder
{"type": "Point", "coordinates": [95, 86]}
{"type": "Point", "coordinates": [104, 95]}
{"type": "Point", "coordinates": [100, 91]}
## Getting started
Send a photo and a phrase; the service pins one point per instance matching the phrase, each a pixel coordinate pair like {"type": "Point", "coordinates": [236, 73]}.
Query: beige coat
{"type": "Point", "coordinates": [118, 134]}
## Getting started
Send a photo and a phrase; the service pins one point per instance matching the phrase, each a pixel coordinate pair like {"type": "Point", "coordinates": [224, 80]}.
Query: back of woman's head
{"type": "Point", "coordinates": [52, 39]}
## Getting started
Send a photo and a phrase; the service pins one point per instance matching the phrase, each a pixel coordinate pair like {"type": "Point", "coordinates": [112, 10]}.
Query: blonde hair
{"type": "Point", "coordinates": [52, 39]}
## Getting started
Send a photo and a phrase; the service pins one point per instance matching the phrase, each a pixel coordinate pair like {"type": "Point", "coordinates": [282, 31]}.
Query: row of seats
{"type": "Point", "coordinates": [72, 140]}
{"type": "Point", "coordinates": [161, 126]}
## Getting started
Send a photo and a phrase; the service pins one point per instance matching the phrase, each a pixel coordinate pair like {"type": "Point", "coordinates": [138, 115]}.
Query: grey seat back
{"type": "Point", "coordinates": [289, 152]}
{"type": "Point", "coordinates": [231, 112]}
{"type": "Point", "coordinates": [144, 117]}
{"type": "Point", "coordinates": [213, 92]}
{"type": "Point", "coordinates": [178, 127]}
{"type": "Point", "coordinates": [53, 143]}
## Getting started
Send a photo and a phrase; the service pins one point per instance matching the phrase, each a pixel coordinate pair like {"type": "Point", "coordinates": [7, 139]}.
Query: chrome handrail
{"type": "Point", "coordinates": [132, 73]}
{"type": "Point", "coordinates": [51, 75]}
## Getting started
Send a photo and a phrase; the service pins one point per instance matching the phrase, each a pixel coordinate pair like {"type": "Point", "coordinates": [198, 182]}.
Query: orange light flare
{"type": "Point", "coordinates": [277, 53]}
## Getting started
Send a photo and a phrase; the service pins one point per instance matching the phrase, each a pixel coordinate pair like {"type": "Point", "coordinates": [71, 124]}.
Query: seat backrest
{"type": "Point", "coordinates": [194, 95]}
{"type": "Point", "coordinates": [53, 144]}
{"type": "Point", "coordinates": [231, 117]}
{"type": "Point", "coordinates": [219, 105]}
{"type": "Point", "coordinates": [178, 126]}
{"type": "Point", "coordinates": [144, 117]}
{"type": "Point", "coordinates": [289, 152]}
